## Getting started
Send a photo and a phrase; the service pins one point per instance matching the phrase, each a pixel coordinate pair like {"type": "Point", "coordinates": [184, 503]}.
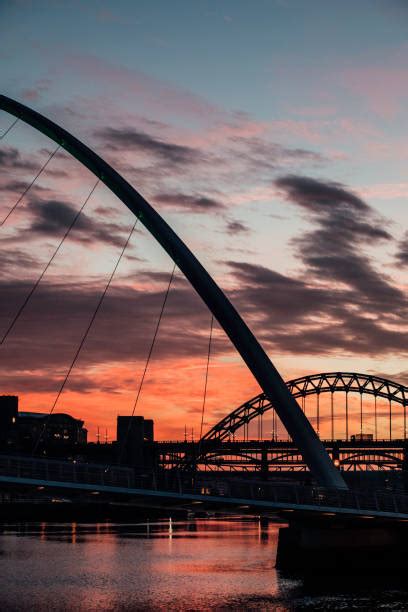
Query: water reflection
{"type": "Point", "coordinates": [163, 565]}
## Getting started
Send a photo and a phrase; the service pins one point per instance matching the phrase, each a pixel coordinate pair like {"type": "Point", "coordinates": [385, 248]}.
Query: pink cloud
{"type": "Point", "coordinates": [154, 93]}
{"type": "Point", "coordinates": [34, 93]}
{"type": "Point", "coordinates": [384, 89]}
{"type": "Point", "coordinates": [384, 191]}
{"type": "Point", "coordinates": [238, 126]}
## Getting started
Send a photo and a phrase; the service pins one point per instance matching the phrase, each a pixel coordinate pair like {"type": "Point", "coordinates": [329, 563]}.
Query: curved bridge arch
{"type": "Point", "coordinates": [258, 362]}
{"type": "Point", "coordinates": [327, 382]}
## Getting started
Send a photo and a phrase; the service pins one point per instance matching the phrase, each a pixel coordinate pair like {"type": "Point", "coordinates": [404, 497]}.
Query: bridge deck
{"type": "Point", "coordinates": [232, 494]}
{"type": "Point", "coordinates": [229, 501]}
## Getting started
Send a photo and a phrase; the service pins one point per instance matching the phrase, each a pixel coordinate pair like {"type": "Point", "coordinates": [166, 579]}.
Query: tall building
{"type": "Point", "coordinates": [135, 437]}
{"type": "Point", "coordinates": [8, 421]}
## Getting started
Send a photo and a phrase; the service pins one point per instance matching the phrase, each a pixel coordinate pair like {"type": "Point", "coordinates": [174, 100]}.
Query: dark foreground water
{"type": "Point", "coordinates": [195, 565]}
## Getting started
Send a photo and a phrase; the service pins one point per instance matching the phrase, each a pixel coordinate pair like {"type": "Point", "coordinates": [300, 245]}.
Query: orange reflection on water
{"type": "Point", "coordinates": [158, 565]}
{"type": "Point", "coordinates": [73, 533]}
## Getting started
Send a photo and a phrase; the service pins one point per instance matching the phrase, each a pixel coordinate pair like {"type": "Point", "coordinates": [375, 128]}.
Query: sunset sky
{"type": "Point", "coordinates": [271, 135]}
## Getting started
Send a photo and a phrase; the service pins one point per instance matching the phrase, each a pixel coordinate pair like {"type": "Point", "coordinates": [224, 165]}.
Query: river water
{"type": "Point", "coordinates": [166, 565]}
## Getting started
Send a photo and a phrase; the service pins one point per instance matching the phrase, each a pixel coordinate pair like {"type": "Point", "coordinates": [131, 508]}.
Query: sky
{"type": "Point", "coordinates": [271, 135]}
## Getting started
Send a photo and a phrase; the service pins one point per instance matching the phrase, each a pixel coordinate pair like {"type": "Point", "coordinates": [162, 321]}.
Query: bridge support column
{"type": "Point", "coordinates": [405, 467]}
{"type": "Point", "coordinates": [359, 547]}
{"type": "Point", "coordinates": [336, 455]}
{"type": "Point", "coordinates": [264, 465]}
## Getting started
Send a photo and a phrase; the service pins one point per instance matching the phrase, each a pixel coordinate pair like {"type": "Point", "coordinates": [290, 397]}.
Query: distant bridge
{"type": "Point", "coordinates": [229, 445]}
{"type": "Point", "coordinates": [281, 455]}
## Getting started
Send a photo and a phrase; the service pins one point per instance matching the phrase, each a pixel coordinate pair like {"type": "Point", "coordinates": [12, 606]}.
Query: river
{"type": "Point", "coordinates": [165, 565]}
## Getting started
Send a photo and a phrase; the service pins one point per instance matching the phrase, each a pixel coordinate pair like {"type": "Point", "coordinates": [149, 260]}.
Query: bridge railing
{"type": "Point", "coordinates": [300, 495]}
{"type": "Point", "coordinates": [65, 471]}
{"type": "Point", "coordinates": [48, 471]}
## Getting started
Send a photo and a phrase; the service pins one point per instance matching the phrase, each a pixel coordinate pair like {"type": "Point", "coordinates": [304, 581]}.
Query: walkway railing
{"type": "Point", "coordinates": [302, 495]}
{"type": "Point", "coordinates": [285, 495]}
{"type": "Point", "coordinates": [66, 471]}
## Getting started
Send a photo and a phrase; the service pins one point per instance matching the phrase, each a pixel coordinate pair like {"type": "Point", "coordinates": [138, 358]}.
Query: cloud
{"type": "Point", "coordinates": [401, 255]}
{"type": "Point", "coordinates": [287, 314]}
{"type": "Point", "coordinates": [122, 331]}
{"type": "Point", "coordinates": [339, 300]}
{"type": "Point", "coordinates": [290, 315]}
{"type": "Point", "coordinates": [400, 378]}
{"type": "Point", "coordinates": [275, 299]}
{"type": "Point", "coordinates": [17, 187]}
{"type": "Point", "coordinates": [303, 314]}
{"type": "Point", "coordinates": [259, 153]}
{"type": "Point", "coordinates": [32, 94]}
{"type": "Point", "coordinates": [128, 138]}
{"type": "Point", "coordinates": [334, 250]}
{"type": "Point", "coordinates": [157, 96]}
{"type": "Point", "coordinates": [34, 381]}
{"type": "Point", "coordinates": [318, 196]}
{"type": "Point", "coordinates": [237, 227]}
{"type": "Point", "coordinates": [385, 191]}
{"type": "Point", "coordinates": [230, 151]}
{"type": "Point", "coordinates": [10, 158]}
{"type": "Point", "coordinates": [383, 88]}
{"type": "Point", "coordinates": [52, 217]}
{"type": "Point", "coordinates": [15, 260]}
{"type": "Point", "coordinates": [192, 203]}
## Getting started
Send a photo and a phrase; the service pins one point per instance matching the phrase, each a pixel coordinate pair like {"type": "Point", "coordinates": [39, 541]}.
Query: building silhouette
{"type": "Point", "coordinates": [25, 429]}
{"type": "Point", "coordinates": [8, 421]}
{"type": "Point", "coordinates": [57, 429]}
{"type": "Point", "coordinates": [135, 441]}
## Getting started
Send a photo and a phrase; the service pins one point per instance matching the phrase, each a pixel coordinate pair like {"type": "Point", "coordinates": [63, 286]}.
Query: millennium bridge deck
{"type": "Point", "coordinates": [227, 495]}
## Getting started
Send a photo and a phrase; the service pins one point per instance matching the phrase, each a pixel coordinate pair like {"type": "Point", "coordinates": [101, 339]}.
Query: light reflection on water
{"type": "Point", "coordinates": [163, 565]}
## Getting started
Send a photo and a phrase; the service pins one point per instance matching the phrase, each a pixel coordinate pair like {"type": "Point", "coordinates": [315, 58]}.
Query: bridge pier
{"type": "Point", "coordinates": [264, 465]}
{"type": "Point", "coordinates": [309, 547]}
{"type": "Point", "coordinates": [405, 467]}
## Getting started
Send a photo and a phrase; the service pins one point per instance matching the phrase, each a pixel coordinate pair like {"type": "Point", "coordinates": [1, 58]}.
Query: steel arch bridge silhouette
{"type": "Point", "coordinates": [258, 362]}
{"type": "Point", "coordinates": [221, 449]}
{"type": "Point", "coordinates": [314, 384]}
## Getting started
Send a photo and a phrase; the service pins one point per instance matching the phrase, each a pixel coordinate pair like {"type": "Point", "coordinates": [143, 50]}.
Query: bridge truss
{"type": "Point", "coordinates": [317, 384]}
{"type": "Point", "coordinates": [282, 456]}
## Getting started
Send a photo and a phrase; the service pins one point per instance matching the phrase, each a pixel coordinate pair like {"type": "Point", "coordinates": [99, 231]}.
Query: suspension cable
{"type": "Point", "coordinates": [26, 190]}
{"type": "Point", "coordinates": [85, 335]}
{"type": "Point", "coordinates": [24, 304]}
{"type": "Point", "coordinates": [149, 355]}
{"type": "Point", "coordinates": [206, 380]}
{"type": "Point", "coordinates": [9, 129]}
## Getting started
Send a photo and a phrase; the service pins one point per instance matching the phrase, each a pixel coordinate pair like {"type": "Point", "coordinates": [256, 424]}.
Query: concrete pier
{"type": "Point", "coordinates": [340, 547]}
